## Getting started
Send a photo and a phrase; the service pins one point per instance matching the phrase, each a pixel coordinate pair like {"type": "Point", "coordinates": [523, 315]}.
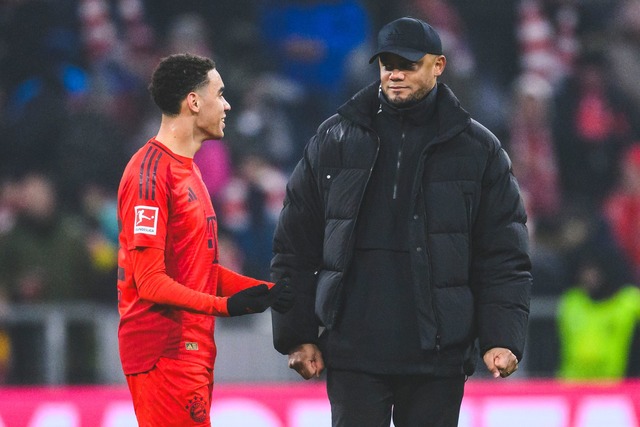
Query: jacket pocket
{"type": "Point", "coordinates": [328, 297]}
{"type": "Point", "coordinates": [455, 310]}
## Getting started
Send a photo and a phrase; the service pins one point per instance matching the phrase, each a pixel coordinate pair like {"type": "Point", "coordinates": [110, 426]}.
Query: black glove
{"type": "Point", "coordinates": [282, 296]}
{"type": "Point", "coordinates": [255, 299]}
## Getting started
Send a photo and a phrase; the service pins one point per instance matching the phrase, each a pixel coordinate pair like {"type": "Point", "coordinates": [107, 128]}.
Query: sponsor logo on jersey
{"type": "Point", "coordinates": [146, 220]}
{"type": "Point", "coordinates": [191, 345]}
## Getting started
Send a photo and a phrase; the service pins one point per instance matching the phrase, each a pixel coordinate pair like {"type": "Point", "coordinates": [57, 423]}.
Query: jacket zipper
{"type": "Point", "coordinates": [398, 164]}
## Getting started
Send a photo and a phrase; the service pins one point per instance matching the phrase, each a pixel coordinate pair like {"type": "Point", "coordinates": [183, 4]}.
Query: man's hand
{"type": "Point", "coordinates": [307, 361]}
{"type": "Point", "coordinates": [281, 296]}
{"type": "Point", "coordinates": [501, 362]}
{"type": "Point", "coordinates": [255, 299]}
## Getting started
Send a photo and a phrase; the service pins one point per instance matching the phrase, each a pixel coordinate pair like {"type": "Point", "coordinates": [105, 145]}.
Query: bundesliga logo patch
{"type": "Point", "coordinates": [146, 220]}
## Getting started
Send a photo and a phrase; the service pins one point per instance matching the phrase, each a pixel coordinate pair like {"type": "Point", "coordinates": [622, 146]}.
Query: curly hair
{"type": "Point", "coordinates": [175, 76]}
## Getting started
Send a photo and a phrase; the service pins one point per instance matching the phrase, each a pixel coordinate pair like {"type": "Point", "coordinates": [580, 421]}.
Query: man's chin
{"type": "Point", "coordinates": [217, 135]}
{"type": "Point", "coordinates": [401, 102]}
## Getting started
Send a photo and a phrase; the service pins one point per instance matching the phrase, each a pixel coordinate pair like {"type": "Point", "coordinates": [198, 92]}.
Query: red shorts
{"type": "Point", "coordinates": [174, 393]}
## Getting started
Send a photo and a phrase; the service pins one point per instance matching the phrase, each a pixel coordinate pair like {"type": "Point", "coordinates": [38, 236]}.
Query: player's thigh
{"type": "Point", "coordinates": [173, 393]}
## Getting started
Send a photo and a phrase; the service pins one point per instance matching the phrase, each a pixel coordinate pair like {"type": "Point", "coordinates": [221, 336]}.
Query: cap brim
{"type": "Point", "coordinates": [410, 54]}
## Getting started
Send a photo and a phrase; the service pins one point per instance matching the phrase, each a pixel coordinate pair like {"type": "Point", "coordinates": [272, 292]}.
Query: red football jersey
{"type": "Point", "coordinates": [163, 204]}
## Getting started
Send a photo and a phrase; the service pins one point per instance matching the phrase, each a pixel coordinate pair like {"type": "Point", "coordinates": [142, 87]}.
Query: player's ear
{"type": "Point", "coordinates": [193, 102]}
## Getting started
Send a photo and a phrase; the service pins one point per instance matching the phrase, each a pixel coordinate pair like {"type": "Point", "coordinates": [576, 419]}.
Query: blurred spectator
{"type": "Point", "coordinates": [162, 13]}
{"type": "Point", "coordinates": [114, 27]}
{"type": "Point", "coordinates": [263, 123]}
{"type": "Point", "coordinates": [251, 204]}
{"type": "Point", "coordinates": [592, 123]}
{"type": "Point", "coordinates": [624, 49]}
{"type": "Point", "coordinates": [44, 258]}
{"type": "Point", "coordinates": [311, 43]}
{"type": "Point", "coordinates": [491, 31]}
{"type": "Point", "coordinates": [36, 111]}
{"type": "Point", "coordinates": [597, 319]}
{"type": "Point", "coordinates": [548, 264]}
{"type": "Point", "coordinates": [230, 32]}
{"type": "Point", "coordinates": [78, 67]}
{"type": "Point", "coordinates": [120, 49]}
{"type": "Point", "coordinates": [91, 151]}
{"type": "Point", "coordinates": [530, 145]}
{"type": "Point", "coordinates": [622, 208]}
{"type": "Point", "coordinates": [532, 151]}
{"type": "Point", "coordinates": [188, 32]}
{"type": "Point", "coordinates": [547, 36]}
{"type": "Point", "coordinates": [37, 37]}
{"type": "Point", "coordinates": [39, 50]}
{"type": "Point", "coordinates": [99, 209]}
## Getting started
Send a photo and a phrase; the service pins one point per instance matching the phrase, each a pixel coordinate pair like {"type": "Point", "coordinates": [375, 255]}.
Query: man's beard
{"type": "Point", "coordinates": [410, 100]}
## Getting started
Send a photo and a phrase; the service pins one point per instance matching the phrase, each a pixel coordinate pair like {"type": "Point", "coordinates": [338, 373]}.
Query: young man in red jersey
{"type": "Point", "coordinates": [170, 285]}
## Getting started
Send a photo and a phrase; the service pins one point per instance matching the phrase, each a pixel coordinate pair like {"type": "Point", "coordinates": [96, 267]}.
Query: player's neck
{"type": "Point", "coordinates": [176, 133]}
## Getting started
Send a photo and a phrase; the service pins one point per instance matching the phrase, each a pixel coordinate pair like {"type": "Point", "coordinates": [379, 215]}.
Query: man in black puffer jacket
{"type": "Point", "coordinates": [404, 233]}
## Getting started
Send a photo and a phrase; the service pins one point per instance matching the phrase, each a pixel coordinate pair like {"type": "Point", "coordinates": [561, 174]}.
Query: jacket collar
{"type": "Point", "coordinates": [451, 117]}
{"type": "Point", "coordinates": [415, 113]}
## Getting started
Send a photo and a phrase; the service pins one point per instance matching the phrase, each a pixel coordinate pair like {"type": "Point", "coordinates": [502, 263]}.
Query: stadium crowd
{"type": "Point", "coordinates": [555, 80]}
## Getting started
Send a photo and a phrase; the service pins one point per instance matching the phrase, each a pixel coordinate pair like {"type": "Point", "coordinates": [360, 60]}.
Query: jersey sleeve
{"type": "Point", "coordinates": [156, 286]}
{"type": "Point", "coordinates": [230, 282]}
{"type": "Point", "coordinates": [145, 201]}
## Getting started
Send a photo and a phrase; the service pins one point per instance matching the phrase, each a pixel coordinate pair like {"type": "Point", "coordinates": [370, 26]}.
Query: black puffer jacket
{"type": "Point", "coordinates": [468, 238]}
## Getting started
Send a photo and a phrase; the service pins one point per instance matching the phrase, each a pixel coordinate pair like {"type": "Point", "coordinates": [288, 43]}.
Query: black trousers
{"type": "Point", "coordinates": [366, 400]}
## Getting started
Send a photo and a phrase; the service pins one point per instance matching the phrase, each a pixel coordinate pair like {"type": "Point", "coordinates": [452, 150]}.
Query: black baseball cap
{"type": "Point", "coordinates": [410, 38]}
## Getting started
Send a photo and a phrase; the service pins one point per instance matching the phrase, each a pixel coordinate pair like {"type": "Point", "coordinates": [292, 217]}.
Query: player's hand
{"type": "Point", "coordinates": [282, 296]}
{"type": "Point", "coordinates": [306, 360]}
{"type": "Point", "coordinates": [501, 362]}
{"type": "Point", "coordinates": [255, 299]}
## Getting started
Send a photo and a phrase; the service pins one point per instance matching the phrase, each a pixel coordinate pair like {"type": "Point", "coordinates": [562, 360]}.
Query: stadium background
{"type": "Point", "coordinates": [555, 80]}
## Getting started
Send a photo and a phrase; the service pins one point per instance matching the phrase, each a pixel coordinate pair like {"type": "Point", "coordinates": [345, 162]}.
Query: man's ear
{"type": "Point", "coordinates": [193, 102]}
{"type": "Point", "coordinates": [441, 63]}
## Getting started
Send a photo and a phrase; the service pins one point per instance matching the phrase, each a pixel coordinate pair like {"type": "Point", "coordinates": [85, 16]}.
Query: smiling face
{"type": "Point", "coordinates": [212, 107]}
{"type": "Point", "coordinates": [404, 82]}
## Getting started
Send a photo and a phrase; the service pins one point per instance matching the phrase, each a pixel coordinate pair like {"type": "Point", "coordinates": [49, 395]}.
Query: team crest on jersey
{"type": "Point", "coordinates": [197, 409]}
{"type": "Point", "coordinates": [146, 220]}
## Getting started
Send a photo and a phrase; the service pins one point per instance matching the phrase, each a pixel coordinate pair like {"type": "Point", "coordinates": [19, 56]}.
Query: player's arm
{"type": "Point", "coordinates": [230, 282]}
{"type": "Point", "coordinates": [156, 286]}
